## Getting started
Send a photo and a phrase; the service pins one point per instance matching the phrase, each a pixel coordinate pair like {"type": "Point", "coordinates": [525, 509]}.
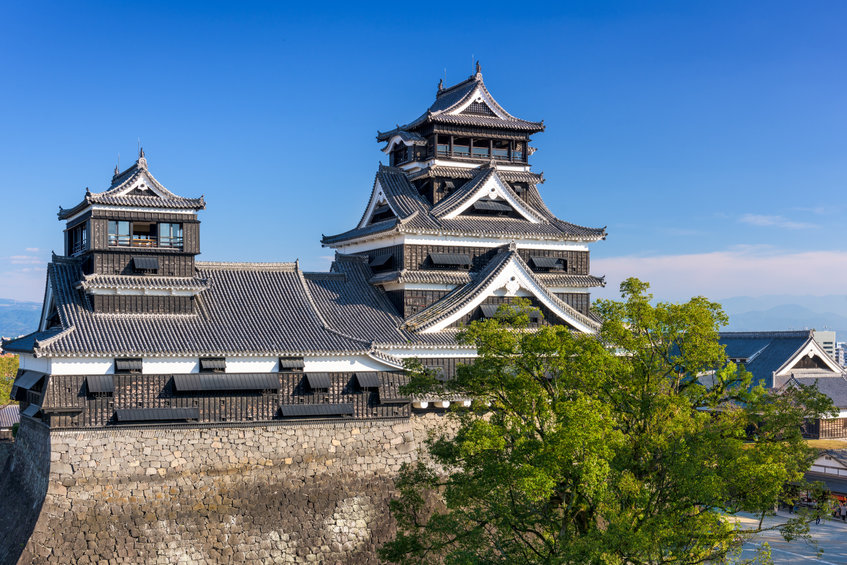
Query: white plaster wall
{"type": "Point", "coordinates": [339, 364]}
{"type": "Point", "coordinates": [30, 363]}
{"type": "Point", "coordinates": [82, 366]}
{"type": "Point", "coordinates": [252, 364]}
{"type": "Point", "coordinates": [164, 365]}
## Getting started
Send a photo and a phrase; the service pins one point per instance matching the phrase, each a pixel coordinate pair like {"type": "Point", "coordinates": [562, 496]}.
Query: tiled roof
{"type": "Point", "coordinates": [247, 309]}
{"type": "Point", "coordinates": [9, 416]}
{"type": "Point", "coordinates": [459, 297]}
{"type": "Point", "coordinates": [142, 282]}
{"type": "Point", "coordinates": [255, 309]}
{"type": "Point", "coordinates": [121, 193]}
{"type": "Point", "coordinates": [415, 217]}
{"type": "Point", "coordinates": [429, 277]}
{"type": "Point", "coordinates": [353, 307]}
{"type": "Point", "coordinates": [834, 386]}
{"type": "Point", "coordinates": [449, 99]}
{"type": "Point", "coordinates": [573, 281]}
{"type": "Point", "coordinates": [468, 190]}
{"type": "Point", "coordinates": [468, 173]}
{"type": "Point", "coordinates": [763, 352]}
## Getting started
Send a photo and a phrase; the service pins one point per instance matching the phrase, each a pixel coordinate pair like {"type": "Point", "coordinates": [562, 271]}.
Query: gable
{"type": "Point", "coordinates": [493, 192]}
{"type": "Point", "coordinates": [512, 278]}
{"type": "Point", "coordinates": [478, 108]}
{"type": "Point", "coordinates": [479, 103]}
{"type": "Point", "coordinates": [378, 209]}
{"type": "Point", "coordinates": [810, 356]}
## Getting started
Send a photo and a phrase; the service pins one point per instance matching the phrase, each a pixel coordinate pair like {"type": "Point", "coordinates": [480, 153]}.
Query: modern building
{"type": "Point", "coordinates": [780, 359]}
{"type": "Point", "coordinates": [827, 340]}
{"type": "Point", "coordinates": [136, 330]}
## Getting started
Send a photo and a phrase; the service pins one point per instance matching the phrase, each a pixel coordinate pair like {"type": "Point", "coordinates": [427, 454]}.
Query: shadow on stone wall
{"type": "Point", "coordinates": [255, 495]}
{"type": "Point", "coordinates": [23, 488]}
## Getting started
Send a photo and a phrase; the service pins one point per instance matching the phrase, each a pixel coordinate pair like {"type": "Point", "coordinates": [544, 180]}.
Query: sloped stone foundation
{"type": "Point", "coordinates": [288, 493]}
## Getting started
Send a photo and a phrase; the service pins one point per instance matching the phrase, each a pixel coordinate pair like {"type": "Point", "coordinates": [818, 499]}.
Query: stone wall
{"type": "Point", "coordinates": [263, 494]}
{"type": "Point", "coordinates": [23, 485]}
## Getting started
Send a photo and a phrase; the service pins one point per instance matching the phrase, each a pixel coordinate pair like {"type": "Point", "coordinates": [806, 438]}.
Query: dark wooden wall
{"type": "Point", "coordinates": [415, 257]}
{"type": "Point", "coordinates": [124, 304]}
{"type": "Point", "coordinates": [580, 301]}
{"type": "Point", "coordinates": [171, 263]}
{"type": "Point", "coordinates": [416, 300]}
{"type": "Point", "coordinates": [67, 403]}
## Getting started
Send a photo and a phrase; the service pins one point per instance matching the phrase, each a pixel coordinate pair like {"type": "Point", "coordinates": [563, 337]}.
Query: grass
{"type": "Point", "coordinates": [827, 443]}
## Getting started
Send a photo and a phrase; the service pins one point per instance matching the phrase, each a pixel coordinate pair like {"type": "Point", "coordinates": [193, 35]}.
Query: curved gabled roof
{"type": "Point", "coordinates": [452, 306]}
{"type": "Point", "coordinates": [135, 187]}
{"type": "Point", "coordinates": [415, 215]}
{"type": "Point", "coordinates": [450, 107]}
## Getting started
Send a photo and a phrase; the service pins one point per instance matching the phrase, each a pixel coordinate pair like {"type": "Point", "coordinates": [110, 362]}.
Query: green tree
{"type": "Point", "coordinates": [602, 449]}
{"type": "Point", "coordinates": [8, 370]}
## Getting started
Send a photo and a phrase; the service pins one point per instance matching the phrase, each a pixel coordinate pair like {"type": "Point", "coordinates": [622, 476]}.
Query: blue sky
{"type": "Point", "coordinates": [710, 137]}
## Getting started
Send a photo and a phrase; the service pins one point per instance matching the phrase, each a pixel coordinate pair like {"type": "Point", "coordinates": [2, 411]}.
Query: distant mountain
{"type": "Point", "coordinates": [18, 318]}
{"type": "Point", "coordinates": [787, 312]}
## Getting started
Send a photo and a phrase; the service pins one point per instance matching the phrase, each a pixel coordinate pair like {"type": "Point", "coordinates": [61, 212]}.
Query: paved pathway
{"type": "Point", "coordinates": [831, 536]}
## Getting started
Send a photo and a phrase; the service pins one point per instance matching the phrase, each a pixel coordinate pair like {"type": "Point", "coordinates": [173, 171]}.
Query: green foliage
{"type": "Point", "coordinates": [8, 370]}
{"type": "Point", "coordinates": [602, 449]}
{"type": "Point", "coordinates": [15, 427]}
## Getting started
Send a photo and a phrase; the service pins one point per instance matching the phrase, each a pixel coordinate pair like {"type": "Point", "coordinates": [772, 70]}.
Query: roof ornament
{"type": "Point", "coordinates": [440, 85]}
{"type": "Point", "coordinates": [478, 69]}
{"type": "Point", "coordinates": [117, 172]}
{"type": "Point", "coordinates": [142, 161]}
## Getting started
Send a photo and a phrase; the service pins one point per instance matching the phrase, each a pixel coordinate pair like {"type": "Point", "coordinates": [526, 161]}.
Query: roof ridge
{"type": "Point", "coordinates": [258, 266]}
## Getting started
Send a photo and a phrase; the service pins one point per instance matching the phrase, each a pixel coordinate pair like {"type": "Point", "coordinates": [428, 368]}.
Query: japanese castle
{"type": "Point", "coordinates": [136, 331]}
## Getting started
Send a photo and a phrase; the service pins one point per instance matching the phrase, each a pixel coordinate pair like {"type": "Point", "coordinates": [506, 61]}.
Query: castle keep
{"type": "Point", "coordinates": [136, 331]}
{"type": "Point", "coordinates": [176, 409]}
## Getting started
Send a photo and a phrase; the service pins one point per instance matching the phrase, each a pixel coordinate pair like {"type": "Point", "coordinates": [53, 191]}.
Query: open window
{"type": "Point", "coordinates": [78, 239]}
{"type": "Point", "coordinates": [381, 212]}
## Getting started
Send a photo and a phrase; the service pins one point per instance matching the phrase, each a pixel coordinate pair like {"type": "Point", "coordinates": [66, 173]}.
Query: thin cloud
{"type": "Point", "coordinates": [749, 271]}
{"type": "Point", "coordinates": [32, 250]}
{"type": "Point", "coordinates": [774, 221]}
{"type": "Point", "coordinates": [25, 260]}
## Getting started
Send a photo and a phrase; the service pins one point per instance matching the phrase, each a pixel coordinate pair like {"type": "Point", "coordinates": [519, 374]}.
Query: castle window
{"type": "Point", "coordinates": [443, 145]}
{"type": "Point", "coordinates": [119, 233]}
{"type": "Point", "coordinates": [462, 147]}
{"type": "Point", "coordinates": [518, 151]}
{"type": "Point", "coordinates": [450, 260]}
{"type": "Point", "coordinates": [501, 149]}
{"type": "Point", "coordinates": [481, 148]}
{"type": "Point", "coordinates": [128, 365]}
{"type": "Point", "coordinates": [213, 364]}
{"type": "Point", "coordinates": [291, 364]}
{"type": "Point", "coordinates": [78, 239]}
{"type": "Point", "coordinates": [381, 262]}
{"type": "Point", "coordinates": [170, 235]}
{"type": "Point", "coordinates": [549, 263]}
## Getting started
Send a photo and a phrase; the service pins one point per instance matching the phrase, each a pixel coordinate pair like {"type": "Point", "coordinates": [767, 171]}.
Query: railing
{"type": "Point", "coordinates": [146, 241]}
{"type": "Point", "coordinates": [465, 151]}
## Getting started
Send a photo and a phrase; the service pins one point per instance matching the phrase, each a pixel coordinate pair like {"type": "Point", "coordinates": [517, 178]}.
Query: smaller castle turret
{"type": "Point", "coordinates": [136, 243]}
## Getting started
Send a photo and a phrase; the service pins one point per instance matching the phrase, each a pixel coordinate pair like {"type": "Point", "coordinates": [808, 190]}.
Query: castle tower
{"type": "Point", "coordinates": [456, 225]}
{"type": "Point", "coordinates": [135, 243]}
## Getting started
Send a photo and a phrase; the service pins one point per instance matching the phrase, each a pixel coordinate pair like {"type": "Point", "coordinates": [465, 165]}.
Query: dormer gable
{"type": "Point", "coordinates": [810, 356]}
{"type": "Point", "coordinates": [485, 191]}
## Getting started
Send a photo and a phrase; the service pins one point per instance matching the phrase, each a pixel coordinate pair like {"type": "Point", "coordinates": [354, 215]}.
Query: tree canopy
{"type": "Point", "coordinates": [632, 446]}
{"type": "Point", "coordinates": [8, 370]}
